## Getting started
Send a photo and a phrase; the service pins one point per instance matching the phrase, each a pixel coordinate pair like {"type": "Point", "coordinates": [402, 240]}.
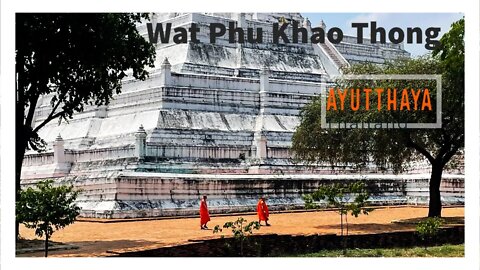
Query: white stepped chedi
{"type": "Point", "coordinates": [215, 120]}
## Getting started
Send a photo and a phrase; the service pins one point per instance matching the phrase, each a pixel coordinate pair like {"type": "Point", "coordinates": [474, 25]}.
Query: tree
{"type": "Point", "coordinates": [47, 208]}
{"type": "Point", "coordinates": [346, 198]}
{"type": "Point", "coordinates": [395, 149]}
{"type": "Point", "coordinates": [75, 60]}
{"type": "Point", "coordinates": [241, 230]}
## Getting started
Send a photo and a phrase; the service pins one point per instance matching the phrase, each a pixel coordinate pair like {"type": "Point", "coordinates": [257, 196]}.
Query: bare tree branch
{"type": "Point", "coordinates": [420, 149]}
{"type": "Point", "coordinates": [50, 117]}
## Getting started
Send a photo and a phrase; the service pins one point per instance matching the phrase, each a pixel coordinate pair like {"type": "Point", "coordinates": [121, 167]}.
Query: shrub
{"type": "Point", "coordinates": [428, 229]}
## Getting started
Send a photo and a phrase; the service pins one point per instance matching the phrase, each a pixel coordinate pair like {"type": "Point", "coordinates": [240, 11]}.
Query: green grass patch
{"type": "Point", "coordinates": [437, 251]}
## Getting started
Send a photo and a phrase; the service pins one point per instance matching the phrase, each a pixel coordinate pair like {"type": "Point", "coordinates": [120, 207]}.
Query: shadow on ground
{"type": "Point", "coordinates": [87, 248]}
{"type": "Point", "coordinates": [367, 227]}
{"type": "Point", "coordinates": [446, 220]}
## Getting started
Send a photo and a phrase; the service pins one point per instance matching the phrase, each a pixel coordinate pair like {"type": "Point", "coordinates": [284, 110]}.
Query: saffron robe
{"type": "Point", "coordinates": [204, 216]}
{"type": "Point", "coordinates": [262, 210]}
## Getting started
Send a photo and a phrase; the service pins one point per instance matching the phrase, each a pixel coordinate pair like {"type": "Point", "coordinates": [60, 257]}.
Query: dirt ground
{"type": "Point", "coordinates": [100, 239]}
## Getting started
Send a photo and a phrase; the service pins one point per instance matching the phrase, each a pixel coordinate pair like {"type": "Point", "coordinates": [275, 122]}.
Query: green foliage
{"type": "Point", "coordinates": [241, 229]}
{"type": "Point", "coordinates": [452, 50]}
{"type": "Point", "coordinates": [47, 208]}
{"type": "Point", "coordinates": [350, 197]}
{"type": "Point", "coordinates": [429, 228]}
{"type": "Point", "coordinates": [451, 56]}
{"type": "Point", "coordinates": [346, 198]}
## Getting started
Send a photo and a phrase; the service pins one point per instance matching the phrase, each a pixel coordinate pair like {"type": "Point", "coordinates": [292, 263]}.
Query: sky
{"type": "Point", "coordinates": [388, 21]}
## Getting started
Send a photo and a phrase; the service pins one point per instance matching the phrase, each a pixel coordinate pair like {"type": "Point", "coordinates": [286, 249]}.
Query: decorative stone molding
{"type": "Point", "coordinates": [59, 150]}
{"type": "Point", "coordinates": [61, 166]}
{"type": "Point", "coordinates": [140, 143]}
{"type": "Point", "coordinates": [165, 73]}
{"type": "Point", "coordinates": [264, 79]}
{"type": "Point", "coordinates": [262, 147]}
{"type": "Point", "coordinates": [241, 20]}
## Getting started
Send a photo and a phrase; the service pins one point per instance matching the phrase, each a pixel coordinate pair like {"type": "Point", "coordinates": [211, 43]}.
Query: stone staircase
{"type": "Point", "coordinates": [333, 54]}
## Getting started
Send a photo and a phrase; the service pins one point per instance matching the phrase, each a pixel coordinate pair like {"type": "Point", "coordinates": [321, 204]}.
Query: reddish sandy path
{"type": "Point", "coordinates": [94, 238]}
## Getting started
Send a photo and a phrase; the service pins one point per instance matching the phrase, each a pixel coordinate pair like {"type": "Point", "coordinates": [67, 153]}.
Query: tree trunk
{"type": "Point", "coordinates": [341, 224]}
{"type": "Point", "coordinates": [346, 222]}
{"type": "Point", "coordinates": [20, 147]}
{"type": "Point", "coordinates": [46, 244]}
{"type": "Point", "coordinates": [435, 205]}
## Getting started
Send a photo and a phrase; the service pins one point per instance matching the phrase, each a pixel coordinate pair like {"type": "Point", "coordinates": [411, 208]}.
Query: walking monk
{"type": "Point", "coordinates": [204, 216]}
{"type": "Point", "coordinates": [262, 211]}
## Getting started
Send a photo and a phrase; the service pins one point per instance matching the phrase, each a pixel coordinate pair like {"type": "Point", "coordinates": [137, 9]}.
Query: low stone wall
{"type": "Point", "coordinates": [138, 195]}
{"type": "Point", "coordinates": [289, 245]}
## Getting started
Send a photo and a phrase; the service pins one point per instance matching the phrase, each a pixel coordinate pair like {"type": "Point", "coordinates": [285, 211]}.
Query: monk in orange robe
{"type": "Point", "coordinates": [262, 211]}
{"type": "Point", "coordinates": [204, 216]}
